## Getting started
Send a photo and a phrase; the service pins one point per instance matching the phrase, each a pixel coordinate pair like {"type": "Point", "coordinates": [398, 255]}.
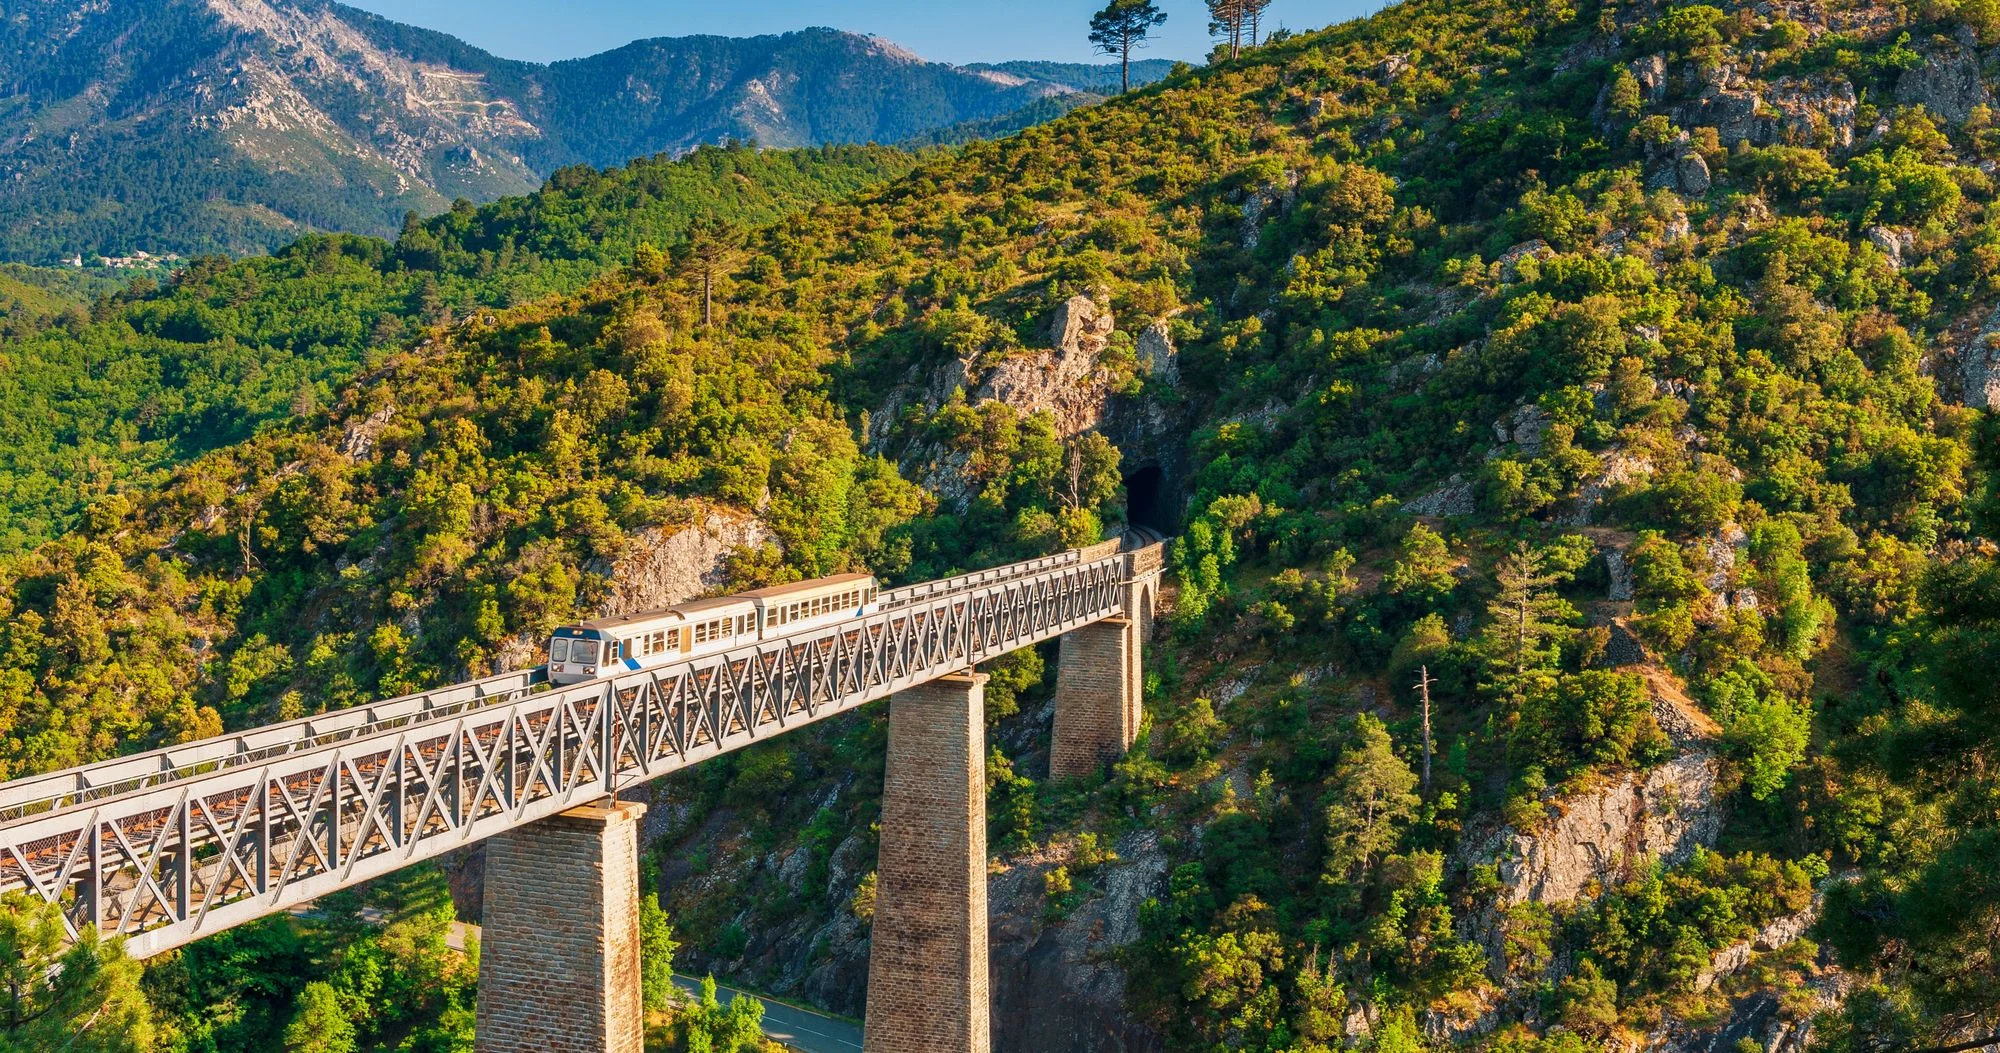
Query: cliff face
{"type": "Point", "coordinates": [1092, 375]}
{"type": "Point", "coordinates": [1598, 838]}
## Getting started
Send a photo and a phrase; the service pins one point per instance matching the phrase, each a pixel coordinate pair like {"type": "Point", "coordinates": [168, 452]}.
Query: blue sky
{"type": "Point", "coordinates": [991, 31]}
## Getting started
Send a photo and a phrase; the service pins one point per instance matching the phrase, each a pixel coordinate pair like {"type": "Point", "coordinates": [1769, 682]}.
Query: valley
{"type": "Point", "coordinates": [1570, 425]}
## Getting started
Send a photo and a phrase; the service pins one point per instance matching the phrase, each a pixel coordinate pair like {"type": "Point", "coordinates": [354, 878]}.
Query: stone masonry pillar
{"type": "Point", "coordinates": [559, 951]}
{"type": "Point", "coordinates": [927, 974]}
{"type": "Point", "coordinates": [1097, 697]}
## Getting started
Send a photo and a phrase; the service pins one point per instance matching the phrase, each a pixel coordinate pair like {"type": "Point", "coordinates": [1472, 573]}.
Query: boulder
{"type": "Point", "coordinates": [1651, 73]}
{"type": "Point", "coordinates": [1894, 242]}
{"type": "Point", "coordinates": [1679, 168]}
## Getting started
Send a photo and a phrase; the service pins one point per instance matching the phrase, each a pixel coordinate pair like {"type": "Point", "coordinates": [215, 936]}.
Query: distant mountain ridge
{"type": "Point", "coordinates": [234, 125]}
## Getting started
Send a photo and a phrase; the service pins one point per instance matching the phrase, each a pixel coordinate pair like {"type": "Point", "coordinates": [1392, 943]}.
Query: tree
{"type": "Point", "coordinates": [709, 244]}
{"type": "Point", "coordinates": [656, 953]}
{"type": "Point", "coordinates": [1424, 568]}
{"type": "Point", "coordinates": [1123, 26]}
{"type": "Point", "coordinates": [1525, 611]}
{"type": "Point", "coordinates": [1253, 16]}
{"type": "Point", "coordinates": [321, 1024]}
{"type": "Point", "coordinates": [83, 997]}
{"type": "Point", "coordinates": [1226, 18]}
{"type": "Point", "coordinates": [1370, 795]}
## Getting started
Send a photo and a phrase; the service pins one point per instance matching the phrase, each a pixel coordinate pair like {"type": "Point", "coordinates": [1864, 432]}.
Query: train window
{"type": "Point", "coordinates": [559, 650]}
{"type": "Point", "coordinates": [583, 652]}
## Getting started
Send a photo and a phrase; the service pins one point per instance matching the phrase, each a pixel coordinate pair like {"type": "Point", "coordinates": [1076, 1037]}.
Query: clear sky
{"type": "Point", "coordinates": [943, 30]}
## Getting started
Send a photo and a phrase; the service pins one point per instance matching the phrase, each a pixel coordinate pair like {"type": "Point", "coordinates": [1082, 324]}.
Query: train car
{"type": "Point", "coordinates": [785, 609]}
{"type": "Point", "coordinates": [610, 646]}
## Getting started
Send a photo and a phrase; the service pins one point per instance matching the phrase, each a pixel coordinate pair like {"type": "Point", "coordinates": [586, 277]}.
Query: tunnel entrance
{"type": "Point", "coordinates": [1145, 499]}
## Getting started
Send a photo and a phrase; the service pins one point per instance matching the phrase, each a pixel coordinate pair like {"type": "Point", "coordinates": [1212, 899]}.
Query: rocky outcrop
{"type": "Point", "coordinates": [1457, 497]}
{"type": "Point", "coordinates": [1158, 355]}
{"type": "Point", "coordinates": [1817, 111]}
{"type": "Point", "coordinates": [1056, 986]}
{"type": "Point", "coordinates": [1948, 84]}
{"type": "Point", "coordinates": [1597, 838]}
{"type": "Point", "coordinates": [1510, 261]}
{"type": "Point", "coordinates": [359, 435]}
{"type": "Point", "coordinates": [1264, 202]}
{"type": "Point", "coordinates": [1068, 380]}
{"type": "Point", "coordinates": [1524, 428]}
{"type": "Point", "coordinates": [663, 566]}
{"type": "Point", "coordinates": [1064, 380]}
{"type": "Point", "coordinates": [1979, 366]}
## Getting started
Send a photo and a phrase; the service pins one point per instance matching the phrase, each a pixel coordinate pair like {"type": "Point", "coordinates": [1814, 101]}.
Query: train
{"type": "Point", "coordinates": [614, 646]}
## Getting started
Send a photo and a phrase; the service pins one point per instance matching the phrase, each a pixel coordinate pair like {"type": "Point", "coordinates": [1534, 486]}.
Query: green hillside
{"type": "Point", "coordinates": [1608, 364]}
{"type": "Point", "coordinates": [153, 377]}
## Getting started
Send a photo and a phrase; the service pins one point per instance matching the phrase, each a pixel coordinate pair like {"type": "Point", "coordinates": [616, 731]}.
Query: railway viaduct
{"type": "Point", "coordinates": [167, 847]}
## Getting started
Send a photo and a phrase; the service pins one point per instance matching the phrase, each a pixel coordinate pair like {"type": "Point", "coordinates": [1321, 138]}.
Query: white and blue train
{"type": "Point", "coordinates": [611, 646]}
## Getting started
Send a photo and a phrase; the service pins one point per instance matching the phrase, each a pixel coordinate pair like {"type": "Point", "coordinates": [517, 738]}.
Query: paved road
{"type": "Point", "coordinates": [800, 1029]}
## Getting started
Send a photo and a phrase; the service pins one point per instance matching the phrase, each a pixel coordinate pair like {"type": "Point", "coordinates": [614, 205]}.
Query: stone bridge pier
{"type": "Point", "coordinates": [559, 951]}
{"type": "Point", "coordinates": [927, 959]}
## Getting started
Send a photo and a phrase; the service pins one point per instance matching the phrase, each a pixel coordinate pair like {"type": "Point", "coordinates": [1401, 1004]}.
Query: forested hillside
{"type": "Point", "coordinates": [109, 395]}
{"type": "Point", "coordinates": [1617, 372]}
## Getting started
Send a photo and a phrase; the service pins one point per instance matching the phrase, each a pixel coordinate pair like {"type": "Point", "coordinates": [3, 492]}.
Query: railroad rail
{"type": "Point", "coordinates": [166, 847]}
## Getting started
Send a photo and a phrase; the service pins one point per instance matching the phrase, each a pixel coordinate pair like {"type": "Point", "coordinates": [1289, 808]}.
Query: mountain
{"type": "Point", "coordinates": [1575, 423]}
{"type": "Point", "coordinates": [234, 125]}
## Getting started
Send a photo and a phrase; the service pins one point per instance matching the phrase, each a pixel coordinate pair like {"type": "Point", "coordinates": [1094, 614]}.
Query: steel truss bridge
{"type": "Point", "coordinates": [167, 847]}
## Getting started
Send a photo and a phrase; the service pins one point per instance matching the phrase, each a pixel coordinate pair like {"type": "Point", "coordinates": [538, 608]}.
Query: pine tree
{"type": "Point", "coordinates": [83, 997]}
{"type": "Point", "coordinates": [1121, 27]}
{"type": "Point", "coordinates": [1226, 19]}
{"type": "Point", "coordinates": [1253, 17]}
{"type": "Point", "coordinates": [1370, 796]}
{"type": "Point", "coordinates": [1525, 611]}
{"type": "Point", "coordinates": [709, 245]}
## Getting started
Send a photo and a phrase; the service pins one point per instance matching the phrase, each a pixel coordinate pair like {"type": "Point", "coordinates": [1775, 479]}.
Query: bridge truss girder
{"type": "Point", "coordinates": [169, 863]}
